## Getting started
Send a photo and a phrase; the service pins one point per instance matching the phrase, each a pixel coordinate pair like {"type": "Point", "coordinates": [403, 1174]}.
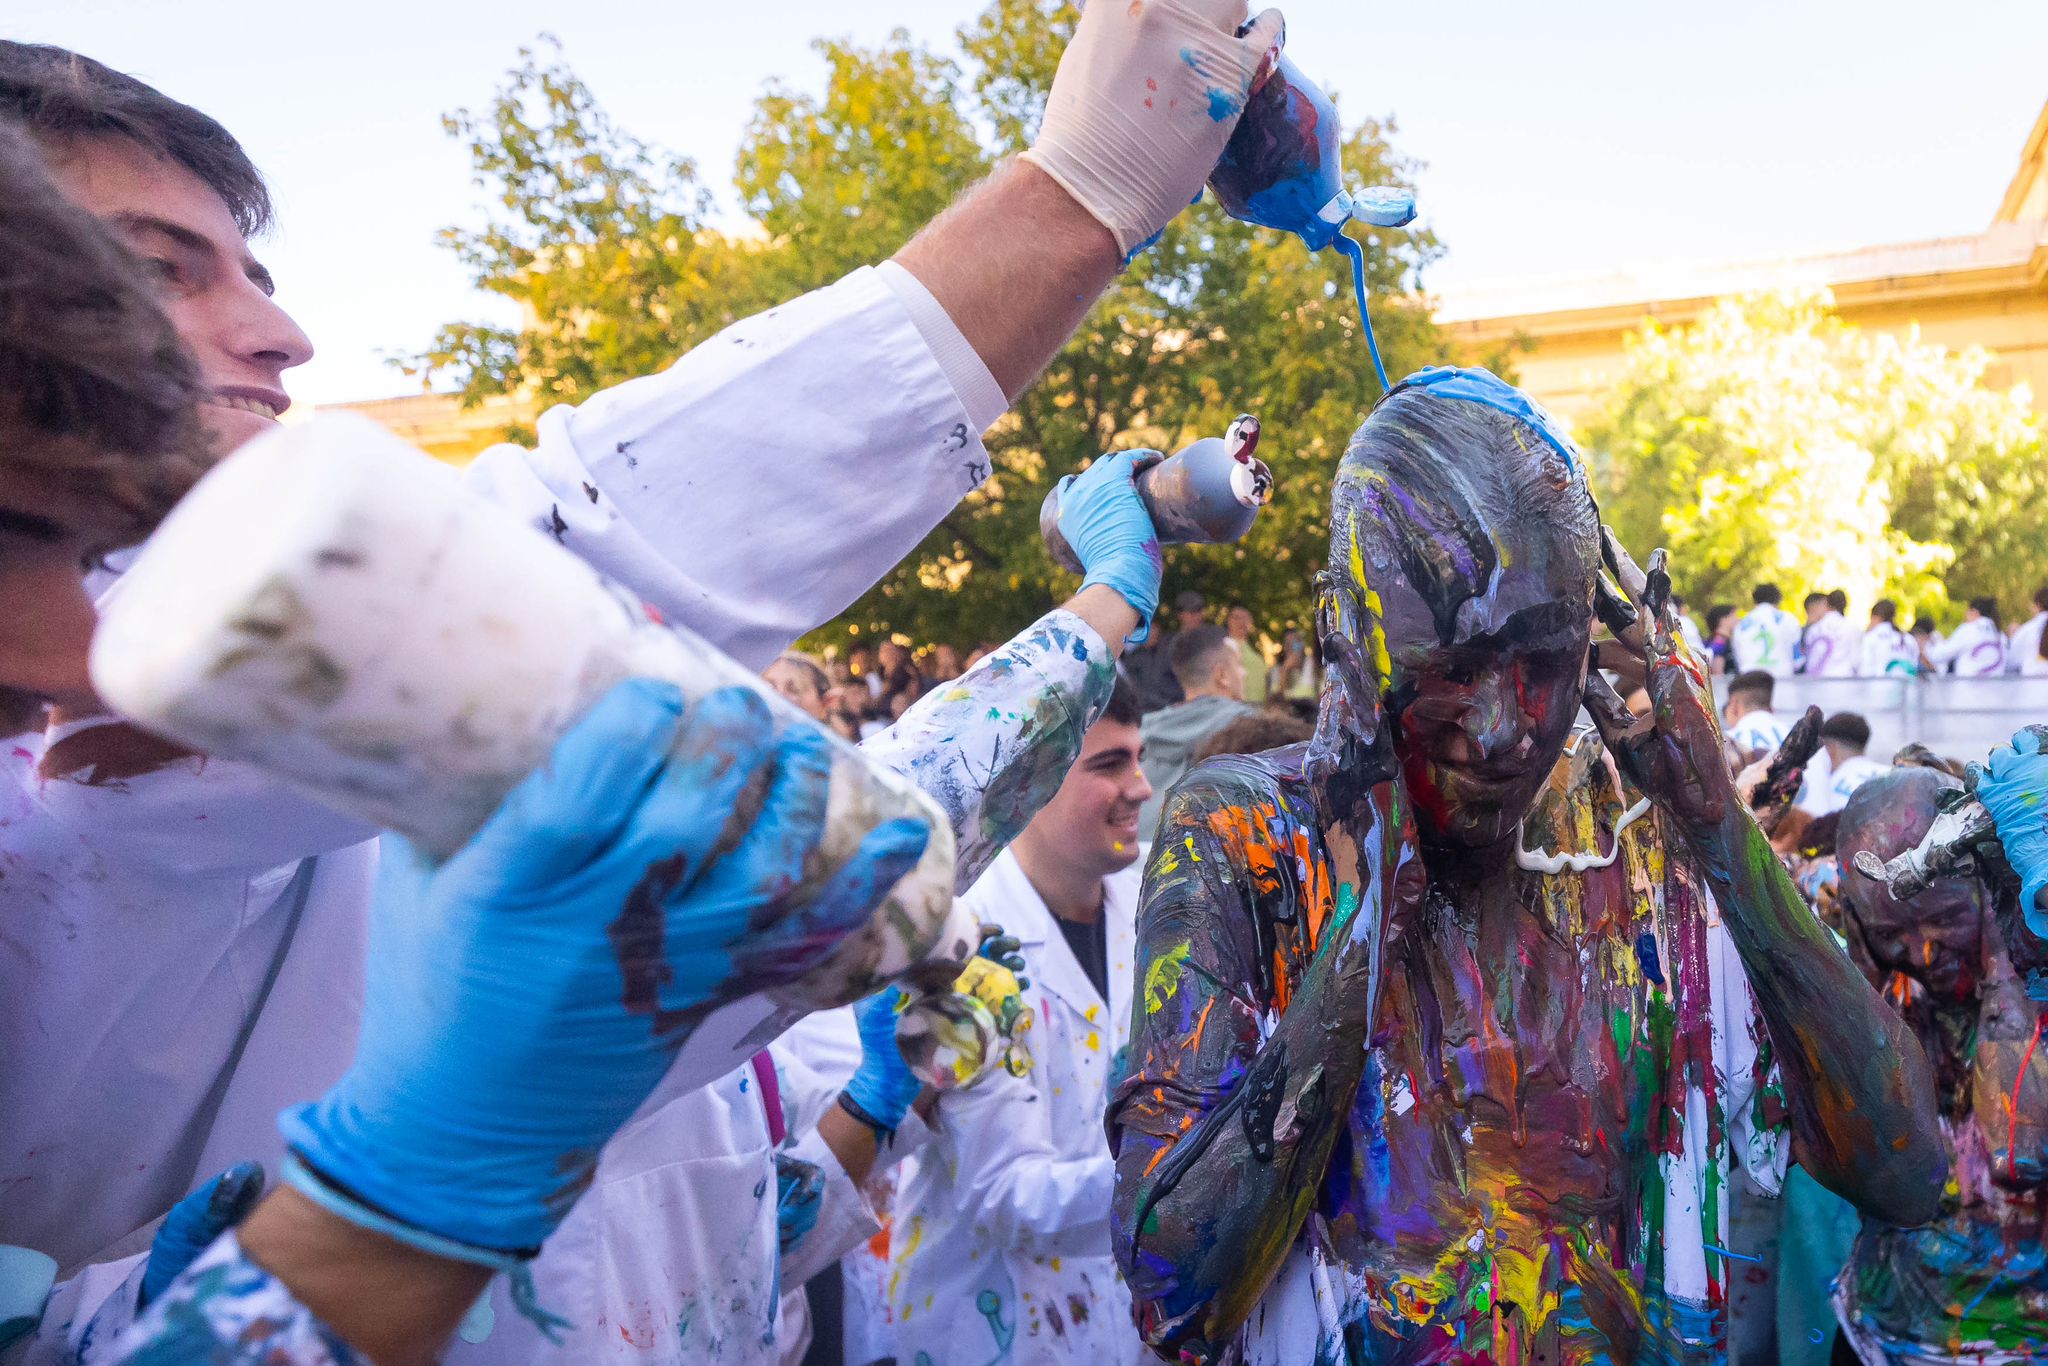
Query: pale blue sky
{"type": "Point", "coordinates": [1568, 136]}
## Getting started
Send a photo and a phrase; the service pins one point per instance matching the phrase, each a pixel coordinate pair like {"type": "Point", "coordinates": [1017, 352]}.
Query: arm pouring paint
{"type": "Point", "coordinates": [1857, 1082]}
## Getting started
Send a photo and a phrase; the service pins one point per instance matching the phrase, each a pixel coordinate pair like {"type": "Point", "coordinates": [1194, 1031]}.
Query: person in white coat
{"type": "Point", "coordinates": [188, 936]}
{"type": "Point", "coordinates": [1766, 639]}
{"type": "Point", "coordinates": [1001, 1239]}
{"type": "Point", "coordinates": [1977, 648]}
{"type": "Point", "coordinates": [1748, 722]}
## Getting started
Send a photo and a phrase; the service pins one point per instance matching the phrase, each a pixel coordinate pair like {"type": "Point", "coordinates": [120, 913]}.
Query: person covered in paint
{"type": "Point", "coordinates": [1971, 1286]}
{"type": "Point", "coordinates": [1441, 1050]}
{"type": "Point", "coordinates": [1002, 1233]}
{"type": "Point", "coordinates": [226, 918]}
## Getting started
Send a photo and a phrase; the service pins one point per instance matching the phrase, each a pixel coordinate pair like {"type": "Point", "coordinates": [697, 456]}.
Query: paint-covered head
{"type": "Point", "coordinates": [1935, 938]}
{"type": "Point", "coordinates": [1464, 548]}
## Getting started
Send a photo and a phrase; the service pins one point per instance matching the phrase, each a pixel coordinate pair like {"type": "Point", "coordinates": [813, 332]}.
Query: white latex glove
{"type": "Point", "coordinates": [1146, 96]}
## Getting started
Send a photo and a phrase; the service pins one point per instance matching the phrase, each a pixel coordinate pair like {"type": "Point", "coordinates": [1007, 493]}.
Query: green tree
{"type": "Point", "coordinates": [1772, 441]}
{"type": "Point", "coordinates": [1217, 319]}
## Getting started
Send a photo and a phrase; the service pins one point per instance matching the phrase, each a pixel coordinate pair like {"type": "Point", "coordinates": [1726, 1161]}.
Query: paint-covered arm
{"type": "Point", "coordinates": [992, 746]}
{"type": "Point", "coordinates": [1222, 1138]}
{"type": "Point", "coordinates": [1857, 1084]}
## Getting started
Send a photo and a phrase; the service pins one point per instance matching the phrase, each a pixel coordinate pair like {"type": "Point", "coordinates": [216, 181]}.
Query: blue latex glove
{"type": "Point", "coordinates": [884, 1087]}
{"type": "Point", "coordinates": [799, 1193]}
{"type": "Point", "coordinates": [194, 1222]}
{"type": "Point", "coordinates": [2013, 785]}
{"type": "Point", "coordinates": [1111, 534]}
{"type": "Point", "coordinates": [524, 997]}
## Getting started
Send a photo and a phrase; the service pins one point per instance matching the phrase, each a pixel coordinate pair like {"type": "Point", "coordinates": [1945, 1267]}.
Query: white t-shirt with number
{"type": "Point", "coordinates": [1766, 638]}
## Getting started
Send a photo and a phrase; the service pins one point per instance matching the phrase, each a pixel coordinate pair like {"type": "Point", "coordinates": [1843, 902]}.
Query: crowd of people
{"type": "Point", "coordinates": [1768, 639]}
{"type": "Point", "coordinates": [1455, 980]}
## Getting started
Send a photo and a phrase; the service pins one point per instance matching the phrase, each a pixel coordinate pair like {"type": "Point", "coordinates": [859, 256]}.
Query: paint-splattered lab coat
{"type": "Point", "coordinates": [1535, 1166]}
{"type": "Point", "coordinates": [1001, 1237]}
{"type": "Point", "coordinates": [181, 949]}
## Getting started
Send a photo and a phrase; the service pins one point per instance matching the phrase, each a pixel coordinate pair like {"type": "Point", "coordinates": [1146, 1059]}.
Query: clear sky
{"type": "Point", "coordinates": [1569, 136]}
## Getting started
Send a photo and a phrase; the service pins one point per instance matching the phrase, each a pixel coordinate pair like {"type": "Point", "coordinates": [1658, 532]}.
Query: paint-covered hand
{"type": "Point", "coordinates": [1145, 98]}
{"type": "Point", "coordinates": [883, 1088]}
{"type": "Point", "coordinates": [799, 1195]}
{"type": "Point", "coordinates": [1112, 536]}
{"type": "Point", "coordinates": [524, 997]}
{"type": "Point", "coordinates": [194, 1222]}
{"type": "Point", "coordinates": [2013, 785]}
{"type": "Point", "coordinates": [1674, 755]}
{"type": "Point", "coordinates": [1005, 950]}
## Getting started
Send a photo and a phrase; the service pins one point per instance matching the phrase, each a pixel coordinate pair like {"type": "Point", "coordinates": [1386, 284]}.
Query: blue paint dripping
{"type": "Point", "coordinates": [1350, 247]}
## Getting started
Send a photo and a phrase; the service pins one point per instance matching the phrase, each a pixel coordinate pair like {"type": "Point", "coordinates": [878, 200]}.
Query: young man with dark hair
{"type": "Point", "coordinates": [230, 947]}
{"type": "Point", "coordinates": [1844, 736]}
{"type": "Point", "coordinates": [1210, 669]}
{"type": "Point", "coordinates": [1885, 649]}
{"type": "Point", "coordinates": [1444, 1054]}
{"type": "Point", "coordinates": [1766, 638]}
{"type": "Point", "coordinates": [1752, 727]}
{"type": "Point", "coordinates": [1830, 643]}
{"type": "Point", "coordinates": [1002, 1247]}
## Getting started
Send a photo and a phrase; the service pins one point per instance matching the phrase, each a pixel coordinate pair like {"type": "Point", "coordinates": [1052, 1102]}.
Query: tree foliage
{"type": "Point", "coordinates": [1773, 441]}
{"type": "Point", "coordinates": [602, 240]}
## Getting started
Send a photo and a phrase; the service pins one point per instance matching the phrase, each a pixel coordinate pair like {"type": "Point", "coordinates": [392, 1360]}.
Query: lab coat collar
{"type": "Point", "coordinates": [1005, 896]}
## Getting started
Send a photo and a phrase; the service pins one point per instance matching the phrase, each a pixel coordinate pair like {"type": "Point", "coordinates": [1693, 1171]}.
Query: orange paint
{"type": "Point", "coordinates": [1201, 1023]}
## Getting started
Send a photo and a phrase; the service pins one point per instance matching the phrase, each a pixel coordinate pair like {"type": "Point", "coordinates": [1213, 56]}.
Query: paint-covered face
{"type": "Point", "coordinates": [1935, 938]}
{"type": "Point", "coordinates": [1474, 547]}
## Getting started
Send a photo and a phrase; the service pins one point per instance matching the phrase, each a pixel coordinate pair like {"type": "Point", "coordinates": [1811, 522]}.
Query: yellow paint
{"type": "Point", "coordinates": [1376, 638]}
{"type": "Point", "coordinates": [1162, 979]}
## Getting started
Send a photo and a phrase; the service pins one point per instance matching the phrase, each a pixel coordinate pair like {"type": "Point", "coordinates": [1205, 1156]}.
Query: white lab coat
{"type": "Point", "coordinates": [1831, 645]}
{"type": "Point", "coordinates": [1001, 1237]}
{"type": "Point", "coordinates": [1976, 650]}
{"type": "Point", "coordinates": [1767, 638]}
{"type": "Point", "coordinates": [1757, 730]}
{"type": "Point", "coordinates": [181, 950]}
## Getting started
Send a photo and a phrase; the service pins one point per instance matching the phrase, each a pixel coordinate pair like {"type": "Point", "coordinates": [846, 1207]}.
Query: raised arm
{"type": "Point", "coordinates": [1861, 1094]}
{"type": "Point", "coordinates": [1222, 1141]}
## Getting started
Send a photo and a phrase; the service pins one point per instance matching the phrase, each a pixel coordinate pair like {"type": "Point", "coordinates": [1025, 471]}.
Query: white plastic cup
{"type": "Point", "coordinates": [337, 608]}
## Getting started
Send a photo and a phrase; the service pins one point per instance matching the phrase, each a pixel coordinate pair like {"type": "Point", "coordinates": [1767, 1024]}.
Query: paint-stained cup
{"type": "Point", "coordinates": [333, 606]}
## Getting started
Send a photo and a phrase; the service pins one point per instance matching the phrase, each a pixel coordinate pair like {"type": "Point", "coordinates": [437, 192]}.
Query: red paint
{"type": "Point", "coordinates": [2012, 1107]}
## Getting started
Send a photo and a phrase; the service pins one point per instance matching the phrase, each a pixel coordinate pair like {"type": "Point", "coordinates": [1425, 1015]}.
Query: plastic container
{"type": "Point", "coordinates": [1209, 493]}
{"type": "Point", "coordinates": [335, 607]}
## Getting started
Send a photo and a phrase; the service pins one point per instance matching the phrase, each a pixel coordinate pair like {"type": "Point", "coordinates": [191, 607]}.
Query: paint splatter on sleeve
{"type": "Point", "coordinates": [227, 1311]}
{"type": "Point", "coordinates": [993, 746]}
{"type": "Point", "coordinates": [1224, 1127]}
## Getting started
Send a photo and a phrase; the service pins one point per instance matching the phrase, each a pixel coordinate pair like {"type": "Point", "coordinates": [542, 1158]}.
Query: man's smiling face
{"type": "Point", "coordinates": [216, 294]}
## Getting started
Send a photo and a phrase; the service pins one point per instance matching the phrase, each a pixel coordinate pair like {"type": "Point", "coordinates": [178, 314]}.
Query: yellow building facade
{"type": "Point", "coordinates": [1989, 289]}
